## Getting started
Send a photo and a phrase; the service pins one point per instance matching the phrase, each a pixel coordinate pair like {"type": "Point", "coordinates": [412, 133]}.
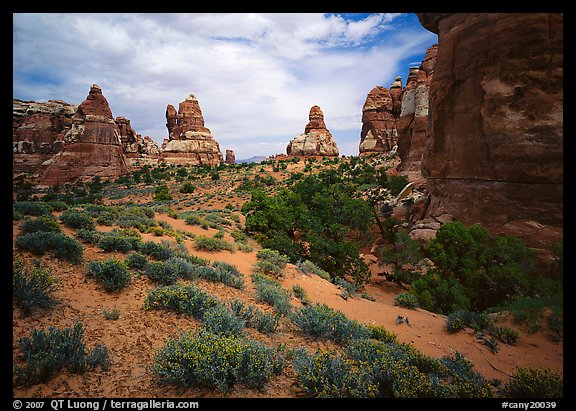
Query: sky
{"type": "Point", "coordinates": [255, 75]}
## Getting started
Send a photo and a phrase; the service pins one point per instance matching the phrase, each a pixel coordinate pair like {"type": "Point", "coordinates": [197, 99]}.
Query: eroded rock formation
{"type": "Point", "coordinates": [316, 140]}
{"type": "Point", "coordinates": [230, 157]}
{"type": "Point", "coordinates": [379, 117]}
{"type": "Point", "coordinates": [495, 151]}
{"type": "Point", "coordinates": [38, 132]}
{"type": "Point", "coordinates": [92, 145]}
{"type": "Point", "coordinates": [413, 121]}
{"type": "Point", "coordinates": [189, 141]}
{"type": "Point", "coordinates": [135, 146]}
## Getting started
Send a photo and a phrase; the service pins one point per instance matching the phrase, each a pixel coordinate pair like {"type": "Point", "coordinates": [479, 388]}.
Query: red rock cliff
{"type": "Point", "coordinates": [92, 146]}
{"type": "Point", "coordinates": [495, 150]}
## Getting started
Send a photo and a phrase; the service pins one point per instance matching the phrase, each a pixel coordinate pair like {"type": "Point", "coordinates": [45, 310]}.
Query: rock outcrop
{"type": "Point", "coordinates": [495, 150]}
{"type": "Point", "coordinates": [189, 141]}
{"type": "Point", "coordinates": [380, 114]}
{"type": "Point", "coordinates": [135, 146]}
{"type": "Point", "coordinates": [413, 121]}
{"type": "Point", "coordinates": [92, 146]}
{"type": "Point", "coordinates": [230, 157]}
{"type": "Point", "coordinates": [38, 131]}
{"type": "Point", "coordinates": [316, 140]}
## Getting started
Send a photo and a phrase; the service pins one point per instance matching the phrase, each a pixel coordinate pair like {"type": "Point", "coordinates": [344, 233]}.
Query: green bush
{"type": "Point", "coordinates": [329, 375]}
{"type": "Point", "coordinates": [221, 272]}
{"type": "Point", "coordinates": [308, 267]}
{"type": "Point", "coordinates": [216, 361]}
{"type": "Point", "coordinates": [212, 244]}
{"type": "Point", "coordinates": [113, 274]}
{"type": "Point", "coordinates": [34, 208]}
{"type": "Point", "coordinates": [185, 299]}
{"type": "Point", "coordinates": [264, 322]}
{"type": "Point", "coordinates": [59, 244]}
{"type": "Point", "coordinates": [161, 193]}
{"type": "Point", "coordinates": [407, 300]}
{"type": "Point", "coordinates": [460, 319]}
{"type": "Point", "coordinates": [187, 188]}
{"type": "Point", "coordinates": [270, 262]}
{"type": "Point", "coordinates": [323, 322]}
{"type": "Point", "coordinates": [41, 223]}
{"type": "Point", "coordinates": [47, 352]}
{"type": "Point", "coordinates": [532, 382]}
{"type": "Point", "coordinates": [220, 320]}
{"type": "Point", "coordinates": [122, 240]}
{"type": "Point", "coordinates": [270, 291]}
{"type": "Point", "coordinates": [157, 251]}
{"type": "Point", "coordinates": [77, 219]}
{"type": "Point", "coordinates": [32, 286]}
{"type": "Point", "coordinates": [162, 272]}
{"type": "Point", "coordinates": [136, 260]}
{"type": "Point", "coordinates": [473, 271]}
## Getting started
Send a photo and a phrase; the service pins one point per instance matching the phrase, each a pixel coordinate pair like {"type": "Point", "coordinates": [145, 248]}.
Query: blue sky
{"type": "Point", "coordinates": [255, 75]}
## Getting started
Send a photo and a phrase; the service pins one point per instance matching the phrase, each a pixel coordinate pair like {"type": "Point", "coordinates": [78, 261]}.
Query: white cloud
{"type": "Point", "coordinates": [255, 75]}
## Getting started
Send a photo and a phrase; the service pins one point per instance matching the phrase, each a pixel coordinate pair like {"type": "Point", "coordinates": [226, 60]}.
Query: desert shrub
{"type": "Point", "coordinates": [349, 288]}
{"type": "Point", "coordinates": [33, 208]}
{"type": "Point", "coordinates": [89, 236]}
{"type": "Point", "coordinates": [270, 291]}
{"type": "Point", "coordinates": [212, 244]}
{"type": "Point", "coordinates": [186, 299]}
{"type": "Point", "coordinates": [270, 262]}
{"type": "Point", "coordinates": [40, 223]}
{"type": "Point", "coordinates": [460, 319]}
{"type": "Point", "coordinates": [407, 300]}
{"type": "Point", "coordinates": [75, 218]}
{"type": "Point", "coordinates": [32, 286]}
{"type": "Point", "coordinates": [396, 183]}
{"type": "Point", "coordinates": [223, 273]}
{"type": "Point", "coordinates": [532, 382]}
{"type": "Point", "coordinates": [380, 333]}
{"type": "Point", "coordinates": [113, 274]}
{"type": "Point", "coordinates": [157, 251]}
{"type": "Point", "coordinates": [112, 314]}
{"type": "Point", "coordinates": [264, 322]}
{"type": "Point", "coordinates": [59, 244]}
{"type": "Point", "coordinates": [330, 375]}
{"type": "Point", "coordinates": [220, 320]}
{"type": "Point", "coordinates": [505, 334]}
{"type": "Point", "coordinates": [162, 272]}
{"type": "Point", "coordinates": [161, 193]}
{"type": "Point", "coordinates": [122, 240]}
{"type": "Point", "coordinates": [57, 205]}
{"type": "Point", "coordinates": [47, 352]}
{"type": "Point", "coordinates": [300, 293]}
{"type": "Point", "coordinates": [401, 371]}
{"type": "Point", "coordinates": [308, 267]}
{"type": "Point", "coordinates": [187, 187]}
{"type": "Point", "coordinates": [216, 361]}
{"type": "Point", "coordinates": [323, 322]}
{"type": "Point", "coordinates": [136, 260]}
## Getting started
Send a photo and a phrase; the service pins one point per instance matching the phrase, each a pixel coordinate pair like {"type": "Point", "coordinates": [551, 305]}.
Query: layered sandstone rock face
{"type": "Point", "coordinates": [230, 157]}
{"type": "Point", "coordinates": [189, 141]}
{"type": "Point", "coordinates": [413, 121]}
{"type": "Point", "coordinates": [38, 132]}
{"type": "Point", "coordinates": [316, 140]}
{"type": "Point", "coordinates": [92, 146]}
{"type": "Point", "coordinates": [495, 152]}
{"type": "Point", "coordinates": [379, 117]}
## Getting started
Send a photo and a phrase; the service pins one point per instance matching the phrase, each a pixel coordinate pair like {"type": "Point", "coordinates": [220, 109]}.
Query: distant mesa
{"type": "Point", "coordinates": [316, 140]}
{"type": "Point", "coordinates": [189, 141]}
{"type": "Point", "coordinates": [91, 146]}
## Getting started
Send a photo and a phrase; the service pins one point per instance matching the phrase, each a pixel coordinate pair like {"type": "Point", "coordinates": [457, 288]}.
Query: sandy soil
{"type": "Point", "coordinates": [137, 335]}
